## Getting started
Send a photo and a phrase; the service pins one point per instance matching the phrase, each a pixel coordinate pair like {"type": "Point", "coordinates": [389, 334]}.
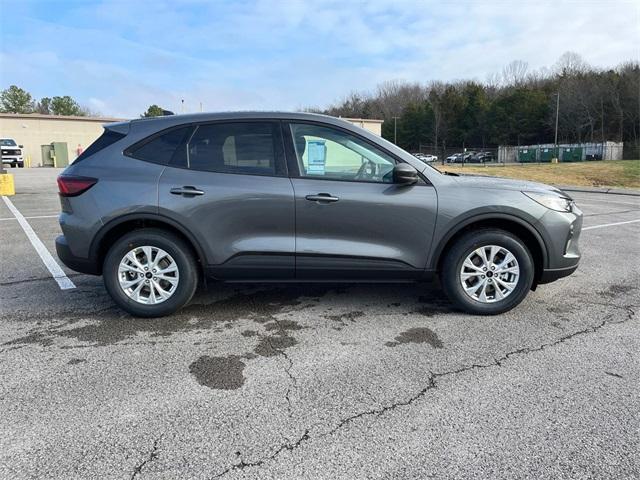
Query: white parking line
{"type": "Point", "coordinates": [56, 271]}
{"type": "Point", "coordinates": [609, 225]}
{"type": "Point", "coordinates": [29, 218]}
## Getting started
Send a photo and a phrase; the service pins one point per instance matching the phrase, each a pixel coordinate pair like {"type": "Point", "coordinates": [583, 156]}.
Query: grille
{"type": "Point", "coordinates": [11, 152]}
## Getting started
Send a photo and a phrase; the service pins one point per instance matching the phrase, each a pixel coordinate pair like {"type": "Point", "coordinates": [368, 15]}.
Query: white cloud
{"type": "Point", "coordinates": [119, 57]}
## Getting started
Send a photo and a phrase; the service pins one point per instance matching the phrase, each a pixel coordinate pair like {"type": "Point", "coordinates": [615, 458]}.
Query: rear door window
{"type": "Point", "coordinates": [244, 147]}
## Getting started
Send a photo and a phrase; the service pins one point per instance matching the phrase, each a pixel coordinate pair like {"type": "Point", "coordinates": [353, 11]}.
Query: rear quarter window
{"type": "Point", "coordinates": [108, 137]}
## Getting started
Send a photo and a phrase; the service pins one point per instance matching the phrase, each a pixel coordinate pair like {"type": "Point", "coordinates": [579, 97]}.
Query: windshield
{"type": "Point", "coordinates": [7, 142]}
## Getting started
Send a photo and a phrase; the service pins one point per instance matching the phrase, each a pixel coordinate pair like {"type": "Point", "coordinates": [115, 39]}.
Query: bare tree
{"type": "Point", "coordinates": [570, 63]}
{"type": "Point", "coordinates": [515, 73]}
{"type": "Point", "coordinates": [393, 96]}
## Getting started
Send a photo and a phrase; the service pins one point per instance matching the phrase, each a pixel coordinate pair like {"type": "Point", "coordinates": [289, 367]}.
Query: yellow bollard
{"type": "Point", "coordinates": [6, 184]}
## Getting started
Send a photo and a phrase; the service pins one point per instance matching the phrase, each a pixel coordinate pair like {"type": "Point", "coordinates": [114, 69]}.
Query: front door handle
{"type": "Point", "coordinates": [322, 198]}
{"type": "Point", "coordinates": [186, 191]}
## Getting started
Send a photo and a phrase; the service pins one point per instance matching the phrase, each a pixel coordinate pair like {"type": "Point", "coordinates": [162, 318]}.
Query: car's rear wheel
{"type": "Point", "coordinates": [150, 273]}
{"type": "Point", "coordinates": [487, 272]}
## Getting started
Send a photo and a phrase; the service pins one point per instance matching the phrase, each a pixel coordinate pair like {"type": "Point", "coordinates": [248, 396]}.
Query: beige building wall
{"type": "Point", "coordinates": [374, 126]}
{"type": "Point", "coordinates": [32, 130]}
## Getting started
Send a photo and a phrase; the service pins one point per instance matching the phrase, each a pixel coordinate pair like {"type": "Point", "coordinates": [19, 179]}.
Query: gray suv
{"type": "Point", "coordinates": [156, 205]}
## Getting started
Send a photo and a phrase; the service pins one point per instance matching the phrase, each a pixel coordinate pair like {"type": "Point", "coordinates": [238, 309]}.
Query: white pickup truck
{"type": "Point", "coordinates": [11, 153]}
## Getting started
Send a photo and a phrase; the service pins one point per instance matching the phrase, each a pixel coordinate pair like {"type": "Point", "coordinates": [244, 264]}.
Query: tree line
{"type": "Point", "coordinates": [513, 107]}
{"type": "Point", "coordinates": [17, 100]}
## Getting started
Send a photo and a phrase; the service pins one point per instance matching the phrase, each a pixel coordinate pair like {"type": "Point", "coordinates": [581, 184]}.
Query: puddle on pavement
{"type": "Point", "coordinates": [343, 318]}
{"type": "Point", "coordinates": [270, 346]}
{"type": "Point", "coordinates": [617, 290]}
{"type": "Point", "coordinates": [417, 335]}
{"type": "Point", "coordinates": [219, 373]}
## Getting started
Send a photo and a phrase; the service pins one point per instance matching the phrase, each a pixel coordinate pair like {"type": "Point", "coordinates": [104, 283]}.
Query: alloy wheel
{"type": "Point", "coordinates": [489, 274]}
{"type": "Point", "coordinates": [148, 275]}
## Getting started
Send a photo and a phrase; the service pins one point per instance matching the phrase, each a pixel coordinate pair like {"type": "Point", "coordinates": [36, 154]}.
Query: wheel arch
{"type": "Point", "coordinates": [520, 228]}
{"type": "Point", "coordinates": [115, 229]}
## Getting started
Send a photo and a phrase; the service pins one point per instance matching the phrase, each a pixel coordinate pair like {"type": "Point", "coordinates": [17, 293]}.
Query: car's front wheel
{"type": "Point", "coordinates": [150, 273]}
{"type": "Point", "coordinates": [487, 272]}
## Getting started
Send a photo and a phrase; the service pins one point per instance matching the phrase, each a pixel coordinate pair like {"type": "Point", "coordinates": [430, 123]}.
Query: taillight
{"type": "Point", "coordinates": [72, 186]}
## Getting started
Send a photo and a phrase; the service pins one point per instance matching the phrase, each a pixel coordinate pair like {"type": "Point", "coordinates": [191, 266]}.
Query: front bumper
{"type": "Point", "coordinates": [12, 160]}
{"type": "Point", "coordinates": [552, 274]}
{"type": "Point", "coordinates": [563, 234]}
{"type": "Point", "coordinates": [82, 265]}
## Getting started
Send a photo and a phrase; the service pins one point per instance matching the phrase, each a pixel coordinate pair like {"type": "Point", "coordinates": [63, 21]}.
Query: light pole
{"type": "Point", "coordinates": [557, 114]}
{"type": "Point", "coordinates": [395, 130]}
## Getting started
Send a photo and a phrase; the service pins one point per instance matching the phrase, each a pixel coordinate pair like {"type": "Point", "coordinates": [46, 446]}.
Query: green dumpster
{"type": "Point", "coordinates": [571, 154]}
{"type": "Point", "coordinates": [527, 155]}
{"type": "Point", "coordinates": [48, 157]}
{"type": "Point", "coordinates": [61, 154]}
{"type": "Point", "coordinates": [546, 154]}
{"type": "Point", "coordinates": [55, 154]}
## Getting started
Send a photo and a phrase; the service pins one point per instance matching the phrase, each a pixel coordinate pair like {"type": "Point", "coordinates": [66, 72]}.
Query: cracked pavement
{"type": "Point", "coordinates": [321, 381]}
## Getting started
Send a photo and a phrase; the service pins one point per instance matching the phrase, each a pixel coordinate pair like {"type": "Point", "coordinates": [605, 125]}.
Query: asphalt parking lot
{"type": "Point", "coordinates": [320, 381]}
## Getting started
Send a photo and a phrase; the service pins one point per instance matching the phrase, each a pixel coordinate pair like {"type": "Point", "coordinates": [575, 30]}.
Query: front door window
{"type": "Point", "coordinates": [324, 152]}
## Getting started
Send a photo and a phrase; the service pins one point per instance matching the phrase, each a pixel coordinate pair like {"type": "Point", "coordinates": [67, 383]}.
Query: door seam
{"type": "Point", "coordinates": [295, 230]}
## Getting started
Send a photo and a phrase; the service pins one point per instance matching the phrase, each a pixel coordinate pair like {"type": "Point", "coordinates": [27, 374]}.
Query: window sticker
{"type": "Point", "coordinates": [317, 155]}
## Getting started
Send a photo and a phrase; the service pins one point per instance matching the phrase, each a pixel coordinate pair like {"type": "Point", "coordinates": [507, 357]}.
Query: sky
{"type": "Point", "coordinates": [118, 57]}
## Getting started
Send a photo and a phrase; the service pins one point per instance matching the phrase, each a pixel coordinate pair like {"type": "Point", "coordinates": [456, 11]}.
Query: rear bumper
{"type": "Point", "coordinates": [82, 265]}
{"type": "Point", "coordinates": [552, 274]}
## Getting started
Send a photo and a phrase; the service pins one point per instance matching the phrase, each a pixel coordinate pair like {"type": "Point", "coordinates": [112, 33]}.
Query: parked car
{"type": "Point", "coordinates": [426, 157]}
{"type": "Point", "coordinates": [482, 157]}
{"type": "Point", "coordinates": [11, 153]}
{"type": "Point", "coordinates": [154, 205]}
{"type": "Point", "coordinates": [460, 157]}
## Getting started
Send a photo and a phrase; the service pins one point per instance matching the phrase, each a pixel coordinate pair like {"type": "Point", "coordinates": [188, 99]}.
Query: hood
{"type": "Point", "coordinates": [481, 181]}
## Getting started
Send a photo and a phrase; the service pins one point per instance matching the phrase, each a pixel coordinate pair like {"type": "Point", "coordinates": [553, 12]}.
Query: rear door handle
{"type": "Point", "coordinates": [322, 198]}
{"type": "Point", "coordinates": [187, 191]}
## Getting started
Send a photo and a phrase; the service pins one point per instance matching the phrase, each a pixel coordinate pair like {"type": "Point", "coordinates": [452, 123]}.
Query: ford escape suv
{"type": "Point", "coordinates": [156, 205]}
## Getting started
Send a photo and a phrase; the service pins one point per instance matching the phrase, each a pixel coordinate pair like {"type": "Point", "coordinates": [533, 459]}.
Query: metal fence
{"type": "Point", "coordinates": [540, 153]}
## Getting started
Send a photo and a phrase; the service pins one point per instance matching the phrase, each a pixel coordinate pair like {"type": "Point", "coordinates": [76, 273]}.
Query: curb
{"type": "Point", "coordinates": [609, 191]}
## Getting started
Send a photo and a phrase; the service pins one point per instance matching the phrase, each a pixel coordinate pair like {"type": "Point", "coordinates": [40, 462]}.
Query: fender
{"type": "Point", "coordinates": [107, 227]}
{"type": "Point", "coordinates": [438, 249]}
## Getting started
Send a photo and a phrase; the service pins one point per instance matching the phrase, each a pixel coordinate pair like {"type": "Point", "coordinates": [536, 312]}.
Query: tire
{"type": "Point", "coordinates": [183, 282]}
{"type": "Point", "coordinates": [21, 165]}
{"type": "Point", "coordinates": [14, 164]}
{"type": "Point", "coordinates": [467, 248]}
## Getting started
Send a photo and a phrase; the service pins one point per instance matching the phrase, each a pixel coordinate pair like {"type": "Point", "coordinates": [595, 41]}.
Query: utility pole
{"type": "Point", "coordinates": [395, 130]}
{"type": "Point", "coordinates": [557, 114]}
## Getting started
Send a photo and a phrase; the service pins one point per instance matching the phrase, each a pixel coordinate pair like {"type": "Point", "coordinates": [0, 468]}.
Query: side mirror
{"type": "Point", "coordinates": [404, 174]}
{"type": "Point", "coordinates": [20, 146]}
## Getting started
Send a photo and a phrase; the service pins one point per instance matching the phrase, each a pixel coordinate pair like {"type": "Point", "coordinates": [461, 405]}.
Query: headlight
{"type": "Point", "coordinates": [551, 201]}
